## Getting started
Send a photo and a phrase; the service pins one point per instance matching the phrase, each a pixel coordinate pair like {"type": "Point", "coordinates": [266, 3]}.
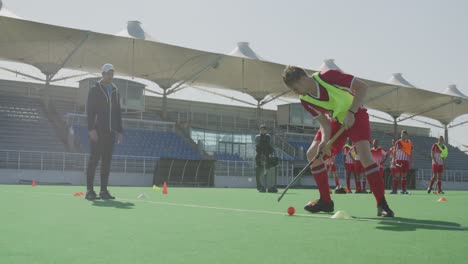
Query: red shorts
{"type": "Point", "coordinates": [393, 171]}
{"type": "Point", "coordinates": [381, 172]}
{"type": "Point", "coordinates": [331, 167]}
{"type": "Point", "coordinates": [404, 166]}
{"type": "Point", "coordinates": [358, 132]}
{"type": "Point", "coordinates": [358, 168]}
{"type": "Point", "coordinates": [437, 168]}
{"type": "Point", "coordinates": [349, 168]}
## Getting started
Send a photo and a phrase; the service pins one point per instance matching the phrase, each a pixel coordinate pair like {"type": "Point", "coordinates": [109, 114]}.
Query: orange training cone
{"type": "Point", "coordinates": [442, 199]}
{"type": "Point", "coordinates": [33, 184]}
{"type": "Point", "coordinates": [164, 188]}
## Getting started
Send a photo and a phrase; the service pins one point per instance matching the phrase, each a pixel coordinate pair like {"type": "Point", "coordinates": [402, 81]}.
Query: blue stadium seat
{"type": "Point", "coordinates": [138, 142]}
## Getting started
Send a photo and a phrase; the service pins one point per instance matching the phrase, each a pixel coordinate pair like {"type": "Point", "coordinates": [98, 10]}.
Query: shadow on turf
{"type": "Point", "coordinates": [113, 203]}
{"type": "Point", "coordinates": [409, 224]}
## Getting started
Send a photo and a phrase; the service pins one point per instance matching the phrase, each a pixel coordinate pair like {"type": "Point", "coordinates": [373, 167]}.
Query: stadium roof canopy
{"type": "Point", "coordinates": [51, 48]}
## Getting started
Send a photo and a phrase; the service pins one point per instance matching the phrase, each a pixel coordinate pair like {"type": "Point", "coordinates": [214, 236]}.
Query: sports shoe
{"type": "Point", "coordinates": [105, 195]}
{"type": "Point", "coordinates": [441, 192]}
{"type": "Point", "coordinates": [272, 190]}
{"type": "Point", "coordinates": [393, 192]}
{"type": "Point", "coordinates": [384, 210]}
{"type": "Point", "coordinates": [404, 192]}
{"type": "Point", "coordinates": [91, 195]}
{"type": "Point", "coordinates": [262, 189]}
{"type": "Point", "coordinates": [320, 206]}
{"type": "Point", "coordinates": [429, 190]}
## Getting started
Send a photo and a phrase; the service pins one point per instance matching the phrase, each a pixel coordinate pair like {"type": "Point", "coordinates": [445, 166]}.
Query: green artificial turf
{"type": "Point", "coordinates": [47, 224]}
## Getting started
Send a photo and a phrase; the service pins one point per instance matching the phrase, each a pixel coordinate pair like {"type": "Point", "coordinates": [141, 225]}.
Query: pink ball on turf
{"type": "Point", "coordinates": [291, 210]}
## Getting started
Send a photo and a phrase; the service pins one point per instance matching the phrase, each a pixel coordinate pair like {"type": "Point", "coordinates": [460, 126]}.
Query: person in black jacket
{"type": "Point", "coordinates": [264, 151]}
{"type": "Point", "coordinates": [104, 125]}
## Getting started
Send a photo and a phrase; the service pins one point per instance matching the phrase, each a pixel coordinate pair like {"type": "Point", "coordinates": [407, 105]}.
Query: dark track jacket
{"type": "Point", "coordinates": [104, 113]}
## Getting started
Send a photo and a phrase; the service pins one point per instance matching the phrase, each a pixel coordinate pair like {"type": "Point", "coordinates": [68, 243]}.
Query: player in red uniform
{"type": "Point", "coordinates": [392, 164]}
{"type": "Point", "coordinates": [359, 179]}
{"type": "Point", "coordinates": [349, 164]}
{"type": "Point", "coordinates": [439, 153]}
{"type": "Point", "coordinates": [336, 99]}
{"type": "Point", "coordinates": [331, 168]}
{"type": "Point", "coordinates": [379, 155]}
{"type": "Point", "coordinates": [403, 158]}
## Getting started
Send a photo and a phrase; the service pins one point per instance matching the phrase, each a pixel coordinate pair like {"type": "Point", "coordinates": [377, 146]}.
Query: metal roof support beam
{"type": "Point", "coordinates": [382, 95]}
{"type": "Point", "coordinates": [194, 76]}
{"type": "Point", "coordinates": [52, 74]}
{"type": "Point", "coordinates": [22, 74]}
{"type": "Point", "coordinates": [381, 118]}
{"type": "Point", "coordinates": [266, 101]}
{"type": "Point", "coordinates": [459, 124]}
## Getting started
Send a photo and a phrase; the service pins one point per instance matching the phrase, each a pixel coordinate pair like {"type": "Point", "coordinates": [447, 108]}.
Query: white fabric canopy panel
{"type": "Point", "coordinates": [50, 48]}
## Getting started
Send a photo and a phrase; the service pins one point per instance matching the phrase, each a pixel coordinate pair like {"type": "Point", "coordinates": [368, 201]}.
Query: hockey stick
{"type": "Point", "coordinates": [317, 156]}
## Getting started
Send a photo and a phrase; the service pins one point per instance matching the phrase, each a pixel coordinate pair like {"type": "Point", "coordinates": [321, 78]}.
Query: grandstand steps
{"type": "Point", "coordinates": [58, 124]}
{"type": "Point", "coordinates": [185, 135]}
{"type": "Point", "coordinates": [287, 150]}
{"type": "Point", "coordinates": [25, 126]}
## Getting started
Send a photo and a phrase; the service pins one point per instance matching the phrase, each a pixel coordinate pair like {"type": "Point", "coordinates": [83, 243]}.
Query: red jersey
{"type": "Point", "coordinates": [392, 151]}
{"type": "Point", "coordinates": [400, 154]}
{"type": "Point", "coordinates": [378, 154]}
{"type": "Point", "coordinates": [332, 77]}
{"type": "Point", "coordinates": [439, 160]}
{"type": "Point", "coordinates": [347, 154]}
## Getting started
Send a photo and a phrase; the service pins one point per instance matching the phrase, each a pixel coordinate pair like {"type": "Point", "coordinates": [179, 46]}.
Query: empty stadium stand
{"type": "Point", "coordinates": [227, 156]}
{"type": "Point", "coordinates": [24, 126]}
{"type": "Point", "coordinates": [146, 143]}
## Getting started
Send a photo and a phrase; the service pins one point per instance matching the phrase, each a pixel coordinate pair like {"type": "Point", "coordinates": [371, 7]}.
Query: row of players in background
{"type": "Point", "coordinates": [401, 158]}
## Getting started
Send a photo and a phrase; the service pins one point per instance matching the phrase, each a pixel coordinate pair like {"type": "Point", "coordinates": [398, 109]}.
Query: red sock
{"type": "Point", "coordinates": [337, 182]}
{"type": "Point", "coordinates": [439, 185]}
{"type": "Point", "coordinates": [364, 182]}
{"type": "Point", "coordinates": [403, 184]}
{"type": "Point", "coordinates": [376, 183]}
{"type": "Point", "coordinates": [321, 179]}
{"type": "Point", "coordinates": [431, 184]}
{"type": "Point", "coordinates": [348, 183]}
{"type": "Point", "coordinates": [395, 183]}
{"type": "Point", "coordinates": [358, 184]}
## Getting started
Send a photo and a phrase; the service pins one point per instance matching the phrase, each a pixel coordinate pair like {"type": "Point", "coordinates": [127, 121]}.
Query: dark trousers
{"type": "Point", "coordinates": [100, 151]}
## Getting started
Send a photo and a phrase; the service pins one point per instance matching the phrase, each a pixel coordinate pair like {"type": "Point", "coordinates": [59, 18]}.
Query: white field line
{"type": "Point", "coordinates": [323, 216]}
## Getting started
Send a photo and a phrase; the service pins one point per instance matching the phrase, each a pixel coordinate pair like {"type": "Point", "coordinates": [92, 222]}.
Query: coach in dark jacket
{"type": "Point", "coordinates": [104, 125]}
